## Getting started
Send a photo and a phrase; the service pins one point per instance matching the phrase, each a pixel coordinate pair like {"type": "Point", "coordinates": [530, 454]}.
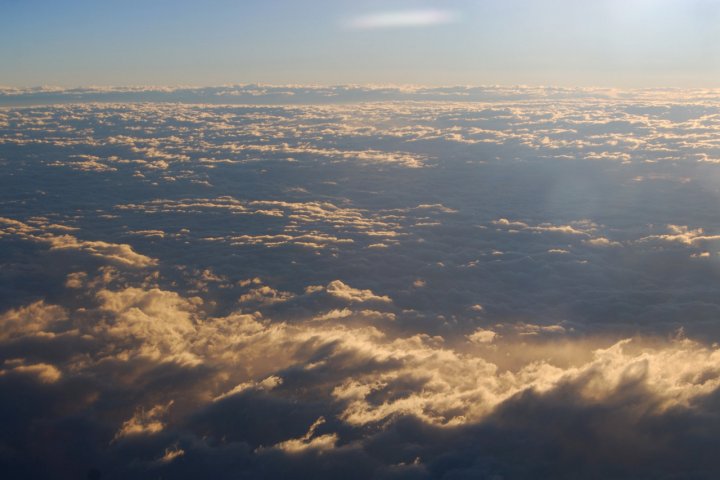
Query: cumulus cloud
{"type": "Point", "coordinates": [44, 372]}
{"type": "Point", "coordinates": [159, 320]}
{"type": "Point", "coordinates": [43, 233]}
{"type": "Point", "coordinates": [267, 384]}
{"type": "Point", "coordinates": [120, 253]}
{"type": "Point", "coordinates": [31, 319]}
{"type": "Point", "coordinates": [144, 422]}
{"type": "Point", "coordinates": [682, 234]}
{"type": "Point", "coordinates": [482, 336]}
{"type": "Point", "coordinates": [307, 442]}
{"type": "Point", "coordinates": [363, 377]}
{"type": "Point", "coordinates": [338, 289]}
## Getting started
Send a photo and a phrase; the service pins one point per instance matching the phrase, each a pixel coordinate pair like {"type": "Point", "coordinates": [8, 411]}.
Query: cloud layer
{"type": "Point", "coordinates": [511, 283]}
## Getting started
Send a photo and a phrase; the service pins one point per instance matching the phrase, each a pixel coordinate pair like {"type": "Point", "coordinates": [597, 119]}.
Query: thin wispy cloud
{"type": "Point", "coordinates": [402, 19]}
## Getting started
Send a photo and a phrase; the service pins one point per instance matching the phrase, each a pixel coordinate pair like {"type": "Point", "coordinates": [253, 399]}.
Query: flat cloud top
{"type": "Point", "coordinates": [254, 94]}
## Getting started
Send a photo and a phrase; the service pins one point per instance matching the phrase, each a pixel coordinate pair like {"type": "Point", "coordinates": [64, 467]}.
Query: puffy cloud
{"type": "Point", "coordinates": [482, 336]}
{"type": "Point", "coordinates": [267, 384]}
{"type": "Point", "coordinates": [144, 422]}
{"type": "Point", "coordinates": [338, 289]}
{"type": "Point", "coordinates": [159, 320]}
{"type": "Point", "coordinates": [335, 314]}
{"type": "Point", "coordinates": [171, 453]}
{"type": "Point", "coordinates": [122, 254]}
{"type": "Point", "coordinates": [682, 234]}
{"type": "Point", "coordinates": [307, 442]}
{"type": "Point", "coordinates": [35, 318]}
{"type": "Point", "coordinates": [119, 253]}
{"type": "Point", "coordinates": [582, 227]}
{"type": "Point", "coordinates": [44, 372]}
{"type": "Point", "coordinates": [530, 329]}
{"type": "Point", "coordinates": [265, 295]}
{"type": "Point", "coordinates": [360, 376]}
{"type": "Point", "coordinates": [601, 242]}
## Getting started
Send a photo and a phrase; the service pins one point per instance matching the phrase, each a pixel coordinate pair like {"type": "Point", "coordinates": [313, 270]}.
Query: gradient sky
{"type": "Point", "coordinates": [619, 43]}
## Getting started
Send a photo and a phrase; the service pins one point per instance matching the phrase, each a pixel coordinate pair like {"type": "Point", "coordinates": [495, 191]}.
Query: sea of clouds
{"type": "Point", "coordinates": [359, 282]}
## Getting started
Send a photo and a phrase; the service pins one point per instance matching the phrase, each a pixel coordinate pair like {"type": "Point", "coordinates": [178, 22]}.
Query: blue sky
{"type": "Point", "coordinates": [630, 43]}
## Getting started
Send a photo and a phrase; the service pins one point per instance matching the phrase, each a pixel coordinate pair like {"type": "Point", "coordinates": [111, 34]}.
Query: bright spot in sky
{"type": "Point", "coordinates": [405, 18]}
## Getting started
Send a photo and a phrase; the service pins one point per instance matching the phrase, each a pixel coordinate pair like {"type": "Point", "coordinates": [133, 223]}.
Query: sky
{"type": "Point", "coordinates": [612, 43]}
{"type": "Point", "coordinates": [394, 240]}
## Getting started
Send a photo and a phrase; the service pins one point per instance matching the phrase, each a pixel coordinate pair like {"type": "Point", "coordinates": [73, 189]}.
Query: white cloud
{"type": "Point", "coordinates": [407, 18]}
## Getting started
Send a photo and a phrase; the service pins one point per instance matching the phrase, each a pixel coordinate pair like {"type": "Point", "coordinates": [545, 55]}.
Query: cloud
{"type": "Point", "coordinates": [44, 372]}
{"type": "Point", "coordinates": [254, 94]}
{"type": "Point", "coordinates": [171, 453]}
{"type": "Point", "coordinates": [144, 422]}
{"type": "Point", "coordinates": [120, 253]}
{"type": "Point", "coordinates": [330, 282]}
{"type": "Point", "coordinates": [482, 336]}
{"type": "Point", "coordinates": [602, 242]}
{"type": "Point", "coordinates": [265, 295]}
{"type": "Point", "coordinates": [407, 18]}
{"type": "Point", "coordinates": [160, 320]}
{"type": "Point", "coordinates": [41, 232]}
{"type": "Point", "coordinates": [338, 289]}
{"type": "Point", "coordinates": [32, 319]}
{"type": "Point", "coordinates": [360, 376]}
{"type": "Point", "coordinates": [267, 384]}
{"type": "Point", "coordinates": [684, 235]}
{"type": "Point", "coordinates": [307, 442]}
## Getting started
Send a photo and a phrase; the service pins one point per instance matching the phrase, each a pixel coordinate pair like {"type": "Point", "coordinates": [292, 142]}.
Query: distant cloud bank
{"type": "Point", "coordinates": [257, 94]}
